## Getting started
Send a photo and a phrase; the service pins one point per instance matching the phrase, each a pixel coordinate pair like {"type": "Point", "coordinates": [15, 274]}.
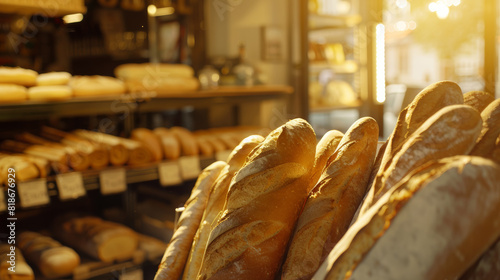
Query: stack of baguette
{"type": "Point", "coordinates": [425, 207]}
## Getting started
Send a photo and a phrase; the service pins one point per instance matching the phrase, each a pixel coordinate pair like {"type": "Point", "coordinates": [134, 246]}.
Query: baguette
{"type": "Point", "coordinates": [52, 259]}
{"type": "Point", "coordinates": [189, 146]}
{"type": "Point", "coordinates": [58, 157]}
{"type": "Point", "coordinates": [103, 240]}
{"type": "Point", "coordinates": [262, 206]}
{"type": "Point", "coordinates": [451, 131]}
{"type": "Point", "coordinates": [176, 254]}
{"type": "Point", "coordinates": [490, 132]}
{"type": "Point", "coordinates": [22, 271]}
{"type": "Point", "coordinates": [333, 202]}
{"type": "Point", "coordinates": [478, 99]}
{"type": "Point", "coordinates": [215, 204]}
{"type": "Point", "coordinates": [118, 149]}
{"type": "Point", "coordinates": [43, 165]}
{"type": "Point", "coordinates": [98, 156]}
{"type": "Point", "coordinates": [324, 149]}
{"type": "Point", "coordinates": [150, 141]}
{"type": "Point", "coordinates": [429, 101]}
{"type": "Point", "coordinates": [170, 144]}
{"type": "Point", "coordinates": [440, 219]}
{"type": "Point", "coordinates": [25, 169]}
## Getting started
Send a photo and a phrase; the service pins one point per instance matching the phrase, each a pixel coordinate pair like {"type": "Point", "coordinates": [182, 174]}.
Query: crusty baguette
{"type": "Point", "coordinates": [215, 204]}
{"type": "Point", "coordinates": [22, 271]}
{"type": "Point", "coordinates": [77, 160]}
{"type": "Point", "coordinates": [170, 144]}
{"type": "Point", "coordinates": [487, 267]}
{"type": "Point", "coordinates": [478, 99]}
{"type": "Point", "coordinates": [119, 151]}
{"type": "Point", "coordinates": [150, 141]}
{"type": "Point", "coordinates": [324, 149]}
{"type": "Point", "coordinates": [43, 165]}
{"type": "Point", "coordinates": [332, 203]}
{"type": "Point", "coordinates": [25, 169]}
{"type": "Point", "coordinates": [427, 102]}
{"type": "Point", "coordinates": [189, 146]}
{"type": "Point", "coordinates": [451, 131]}
{"type": "Point", "coordinates": [103, 240]}
{"type": "Point", "coordinates": [50, 257]}
{"type": "Point", "coordinates": [98, 155]}
{"type": "Point", "coordinates": [491, 130]}
{"type": "Point", "coordinates": [204, 146]}
{"type": "Point", "coordinates": [432, 225]}
{"type": "Point", "coordinates": [175, 256]}
{"type": "Point", "coordinates": [57, 158]}
{"type": "Point", "coordinates": [262, 206]}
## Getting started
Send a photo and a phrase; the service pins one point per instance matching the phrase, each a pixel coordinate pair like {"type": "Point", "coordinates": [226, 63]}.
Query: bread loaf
{"type": "Point", "coordinates": [491, 130]}
{"type": "Point", "coordinates": [215, 204]}
{"type": "Point", "coordinates": [51, 258]}
{"type": "Point", "coordinates": [60, 158]}
{"type": "Point", "coordinates": [170, 144]}
{"type": "Point", "coordinates": [189, 146]}
{"type": "Point", "coordinates": [91, 86]}
{"type": "Point", "coordinates": [332, 203]}
{"type": "Point", "coordinates": [427, 102]}
{"type": "Point", "coordinates": [150, 141]}
{"type": "Point", "coordinates": [103, 240]}
{"type": "Point", "coordinates": [262, 206]}
{"type": "Point", "coordinates": [324, 149]}
{"type": "Point", "coordinates": [25, 169]}
{"type": "Point", "coordinates": [20, 271]}
{"type": "Point", "coordinates": [13, 93]}
{"type": "Point", "coordinates": [53, 79]}
{"type": "Point", "coordinates": [478, 99]}
{"type": "Point", "coordinates": [118, 149]}
{"type": "Point", "coordinates": [18, 76]}
{"type": "Point", "coordinates": [487, 267]}
{"type": "Point", "coordinates": [50, 93]}
{"type": "Point", "coordinates": [176, 254]}
{"type": "Point", "coordinates": [451, 131]}
{"type": "Point", "coordinates": [432, 225]}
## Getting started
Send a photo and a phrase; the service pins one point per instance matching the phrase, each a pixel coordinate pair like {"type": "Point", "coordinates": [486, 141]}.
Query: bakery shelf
{"type": "Point", "coordinates": [145, 102]}
{"type": "Point", "coordinates": [348, 67]}
{"type": "Point", "coordinates": [50, 8]}
{"type": "Point", "coordinates": [321, 22]}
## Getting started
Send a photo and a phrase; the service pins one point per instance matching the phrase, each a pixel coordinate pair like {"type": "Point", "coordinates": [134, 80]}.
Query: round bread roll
{"type": "Point", "coordinates": [49, 93]}
{"type": "Point", "coordinates": [53, 79]}
{"type": "Point", "coordinates": [96, 86]}
{"type": "Point", "coordinates": [12, 93]}
{"type": "Point", "coordinates": [18, 76]}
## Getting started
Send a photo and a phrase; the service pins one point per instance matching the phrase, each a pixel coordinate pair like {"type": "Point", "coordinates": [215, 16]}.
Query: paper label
{"type": "Point", "coordinates": [33, 193]}
{"type": "Point", "coordinates": [70, 185]}
{"type": "Point", "coordinates": [222, 155]}
{"type": "Point", "coordinates": [132, 275]}
{"type": "Point", "coordinates": [169, 173]}
{"type": "Point", "coordinates": [3, 203]}
{"type": "Point", "coordinates": [190, 167]}
{"type": "Point", "coordinates": [113, 181]}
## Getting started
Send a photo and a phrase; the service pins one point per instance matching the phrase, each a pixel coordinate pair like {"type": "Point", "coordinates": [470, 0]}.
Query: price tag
{"type": "Point", "coordinates": [132, 275]}
{"type": "Point", "coordinates": [169, 173]}
{"type": "Point", "coordinates": [3, 203]}
{"type": "Point", "coordinates": [113, 181]}
{"type": "Point", "coordinates": [70, 185]}
{"type": "Point", "coordinates": [190, 167]}
{"type": "Point", "coordinates": [222, 155]}
{"type": "Point", "coordinates": [33, 193]}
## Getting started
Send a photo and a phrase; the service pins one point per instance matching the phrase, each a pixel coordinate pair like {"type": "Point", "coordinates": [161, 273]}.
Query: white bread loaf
{"type": "Point", "coordinates": [263, 203]}
{"type": "Point", "coordinates": [215, 204]}
{"type": "Point", "coordinates": [176, 254]}
{"type": "Point", "coordinates": [432, 225]}
{"type": "Point", "coordinates": [50, 257]}
{"type": "Point", "coordinates": [333, 202]}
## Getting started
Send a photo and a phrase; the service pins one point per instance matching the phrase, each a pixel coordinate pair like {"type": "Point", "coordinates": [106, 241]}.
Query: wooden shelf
{"type": "Point", "coordinates": [143, 102]}
{"type": "Point", "coordinates": [47, 8]}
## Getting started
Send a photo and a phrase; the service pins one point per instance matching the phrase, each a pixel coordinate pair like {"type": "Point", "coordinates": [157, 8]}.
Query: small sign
{"type": "Point", "coordinates": [3, 203]}
{"type": "Point", "coordinates": [190, 167]}
{"type": "Point", "coordinates": [223, 155]}
{"type": "Point", "coordinates": [33, 193]}
{"type": "Point", "coordinates": [70, 185]}
{"type": "Point", "coordinates": [135, 274]}
{"type": "Point", "coordinates": [113, 181]}
{"type": "Point", "coordinates": [169, 173]}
